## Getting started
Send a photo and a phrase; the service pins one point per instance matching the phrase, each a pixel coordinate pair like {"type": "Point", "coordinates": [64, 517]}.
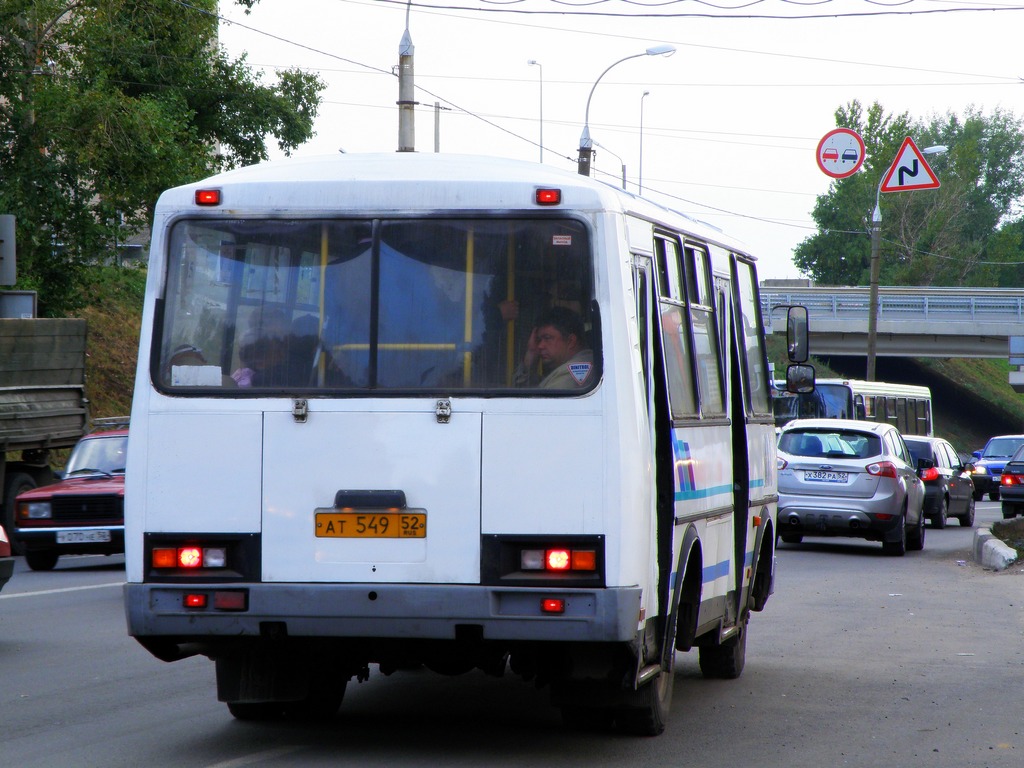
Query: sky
{"type": "Point", "coordinates": [731, 122]}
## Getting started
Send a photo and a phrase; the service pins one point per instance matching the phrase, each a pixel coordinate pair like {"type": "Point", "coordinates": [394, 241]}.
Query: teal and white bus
{"type": "Point", "coordinates": [344, 456]}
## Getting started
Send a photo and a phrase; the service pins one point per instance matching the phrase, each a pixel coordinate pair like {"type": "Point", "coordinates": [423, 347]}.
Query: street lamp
{"type": "Point", "coordinates": [540, 69]}
{"type": "Point", "coordinates": [586, 143]}
{"type": "Point", "coordinates": [640, 176]}
{"type": "Point", "coordinates": [876, 238]}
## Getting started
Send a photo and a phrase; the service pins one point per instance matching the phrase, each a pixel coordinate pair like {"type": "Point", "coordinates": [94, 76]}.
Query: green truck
{"type": "Point", "coordinates": [43, 406]}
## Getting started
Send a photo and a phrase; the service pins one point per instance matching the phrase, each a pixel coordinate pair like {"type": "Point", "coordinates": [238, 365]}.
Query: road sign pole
{"type": "Point", "coordinates": [876, 238]}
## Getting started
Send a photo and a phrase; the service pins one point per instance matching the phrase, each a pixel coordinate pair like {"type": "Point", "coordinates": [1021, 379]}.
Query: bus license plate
{"type": "Point", "coordinates": [80, 537]}
{"type": "Point", "coordinates": [825, 476]}
{"type": "Point", "coordinates": [371, 525]}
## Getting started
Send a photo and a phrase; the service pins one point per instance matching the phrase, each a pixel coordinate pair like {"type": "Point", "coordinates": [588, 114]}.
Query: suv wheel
{"type": "Point", "coordinates": [897, 548]}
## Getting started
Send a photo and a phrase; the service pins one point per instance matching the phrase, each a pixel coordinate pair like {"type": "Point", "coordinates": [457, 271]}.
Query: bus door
{"type": "Point", "coordinates": [653, 369]}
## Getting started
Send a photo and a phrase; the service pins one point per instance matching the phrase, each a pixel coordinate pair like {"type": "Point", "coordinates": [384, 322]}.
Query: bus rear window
{"type": "Point", "coordinates": [276, 306]}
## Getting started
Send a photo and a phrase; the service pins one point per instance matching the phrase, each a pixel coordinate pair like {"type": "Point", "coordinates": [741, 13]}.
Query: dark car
{"type": "Point", "coordinates": [1011, 485]}
{"type": "Point", "coordinates": [989, 462]}
{"type": "Point", "coordinates": [948, 484]}
{"type": "Point", "coordinates": [6, 561]}
{"type": "Point", "coordinates": [84, 512]}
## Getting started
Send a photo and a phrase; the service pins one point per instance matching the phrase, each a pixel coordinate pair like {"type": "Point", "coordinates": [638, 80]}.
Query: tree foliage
{"type": "Point", "coordinates": [104, 104]}
{"type": "Point", "coordinates": [967, 232]}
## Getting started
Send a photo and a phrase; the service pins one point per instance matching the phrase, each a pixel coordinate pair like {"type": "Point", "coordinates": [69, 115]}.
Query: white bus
{"type": "Point", "coordinates": [340, 459]}
{"type": "Point", "coordinates": [908, 407]}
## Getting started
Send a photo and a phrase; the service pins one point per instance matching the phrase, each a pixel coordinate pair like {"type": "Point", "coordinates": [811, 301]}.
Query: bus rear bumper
{"type": "Point", "coordinates": [201, 612]}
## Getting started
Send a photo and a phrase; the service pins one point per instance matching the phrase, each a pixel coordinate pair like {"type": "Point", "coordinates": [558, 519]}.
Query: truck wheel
{"type": "Point", "coordinates": [41, 559]}
{"type": "Point", "coordinates": [15, 484]}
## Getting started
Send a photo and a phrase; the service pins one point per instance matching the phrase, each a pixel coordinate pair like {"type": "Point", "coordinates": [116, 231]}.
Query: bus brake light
{"type": "Point", "coordinates": [549, 196]}
{"type": "Point", "coordinates": [207, 197]}
{"type": "Point", "coordinates": [558, 559]}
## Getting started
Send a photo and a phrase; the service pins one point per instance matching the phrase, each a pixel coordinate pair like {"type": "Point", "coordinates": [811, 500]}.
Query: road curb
{"type": "Point", "coordinates": [992, 552]}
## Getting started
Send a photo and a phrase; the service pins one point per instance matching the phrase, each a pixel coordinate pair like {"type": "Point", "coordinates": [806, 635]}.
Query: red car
{"type": "Point", "coordinates": [6, 561]}
{"type": "Point", "coordinates": [84, 512]}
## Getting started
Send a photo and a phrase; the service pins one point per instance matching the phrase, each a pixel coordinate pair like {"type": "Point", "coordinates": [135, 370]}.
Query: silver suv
{"type": "Point", "coordinates": [841, 477]}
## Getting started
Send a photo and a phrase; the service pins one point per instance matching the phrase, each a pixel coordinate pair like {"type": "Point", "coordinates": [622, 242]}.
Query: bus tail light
{"type": "Point", "coordinates": [572, 560]}
{"type": "Point", "coordinates": [190, 557]}
{"type": "Point", "coordinates": [558, 560]}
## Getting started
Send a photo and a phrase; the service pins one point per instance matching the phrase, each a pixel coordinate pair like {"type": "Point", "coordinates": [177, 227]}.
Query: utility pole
{"type": "Point", "coordinates": [406, 91]}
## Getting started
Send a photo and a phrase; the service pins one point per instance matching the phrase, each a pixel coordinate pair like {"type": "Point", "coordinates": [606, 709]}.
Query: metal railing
{"type": "Point", "coordinates": [940, 304]}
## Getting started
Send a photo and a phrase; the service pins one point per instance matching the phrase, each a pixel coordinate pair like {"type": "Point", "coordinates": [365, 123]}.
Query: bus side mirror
{"type": "Point", "coordinates": [797, 334]}
{"type": "Point", "coordinates": [800, 378]}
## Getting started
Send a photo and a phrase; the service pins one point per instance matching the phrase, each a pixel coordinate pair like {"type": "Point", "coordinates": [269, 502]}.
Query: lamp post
{"type": "Point", "coordinates": [586, 143]}
{"type": "Point", "coordinates": [640, 175]}
{"type": "Point", "coordinates": [540, 69]}
{"type": "Point", "coordinates": [876, 240]}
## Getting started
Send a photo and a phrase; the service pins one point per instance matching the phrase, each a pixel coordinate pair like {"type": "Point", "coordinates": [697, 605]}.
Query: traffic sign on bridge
{"type": "Point", "coordinates": [909, 171]}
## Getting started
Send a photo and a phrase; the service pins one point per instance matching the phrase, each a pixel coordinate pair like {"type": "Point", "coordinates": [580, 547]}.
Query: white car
{"type": "Point", "coordinates": [842, 477]}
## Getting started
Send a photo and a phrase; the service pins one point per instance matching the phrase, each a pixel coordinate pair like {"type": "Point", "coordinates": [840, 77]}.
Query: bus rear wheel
{"type": "Point", "coordinates": [725, 660]}
{"type": "Point", "coordinates": [645, 712]}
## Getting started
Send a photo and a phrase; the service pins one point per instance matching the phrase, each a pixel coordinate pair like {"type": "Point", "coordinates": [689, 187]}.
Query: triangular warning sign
{"type": "Point", "coordinates": [909, 171]}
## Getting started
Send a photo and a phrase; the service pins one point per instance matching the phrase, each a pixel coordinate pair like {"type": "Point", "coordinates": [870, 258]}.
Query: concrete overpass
{"type": "Point", "coordinates": [912, 322]}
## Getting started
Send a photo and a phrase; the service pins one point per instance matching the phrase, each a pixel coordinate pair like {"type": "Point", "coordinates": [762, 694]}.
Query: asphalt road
{"type": "Point", "coordinates": [859, 659]}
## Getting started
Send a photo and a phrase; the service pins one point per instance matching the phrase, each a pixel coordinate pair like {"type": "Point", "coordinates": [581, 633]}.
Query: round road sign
{"type": "Point", "coordinates": [840, 153]}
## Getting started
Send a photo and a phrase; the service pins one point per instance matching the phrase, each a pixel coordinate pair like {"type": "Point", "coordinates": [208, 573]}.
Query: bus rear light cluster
{"type": "Point", "coordinates": [558, 560]}
{"type": "Point", "coordinates": [190, 557]}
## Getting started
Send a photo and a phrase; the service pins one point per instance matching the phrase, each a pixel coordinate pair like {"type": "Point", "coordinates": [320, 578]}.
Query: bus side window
{"type": "Point", "coordinates": [859, 410]}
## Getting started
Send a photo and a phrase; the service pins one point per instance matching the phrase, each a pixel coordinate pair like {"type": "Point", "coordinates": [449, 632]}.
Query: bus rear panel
{"type": "Point", "coordinates": [404, 410]}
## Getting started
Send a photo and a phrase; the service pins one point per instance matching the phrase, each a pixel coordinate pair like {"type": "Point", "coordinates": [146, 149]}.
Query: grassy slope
{"type": "Point", "coordinates": [114, 315]}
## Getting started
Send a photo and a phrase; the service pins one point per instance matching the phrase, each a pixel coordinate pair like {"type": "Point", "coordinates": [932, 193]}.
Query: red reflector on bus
{"type": "Point", "coordinates": [549, 196]}
{"type": "Point", "coordinates": [195, 600]}
{"type": "Point", "coordinates": [552, 605]}
{"type": "Point", "coordinates": [234, 600]}
{"type": "Point", "coordinates": [207, 197]}
{"type": "Point", "coordinates": [557, 559]}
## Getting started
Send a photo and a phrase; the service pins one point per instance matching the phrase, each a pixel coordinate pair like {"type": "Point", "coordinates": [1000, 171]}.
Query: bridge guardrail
{"type": "Point", "coordinates": [845, 303]}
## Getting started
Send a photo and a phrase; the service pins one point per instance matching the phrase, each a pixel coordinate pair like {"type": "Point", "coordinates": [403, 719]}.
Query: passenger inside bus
{"type": "Point", "coordinates": [557, 354]}
{"type": "Point", "coordinates": [263, 350]}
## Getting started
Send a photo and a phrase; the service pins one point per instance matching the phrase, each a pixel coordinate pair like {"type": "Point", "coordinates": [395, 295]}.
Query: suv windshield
{"type": "Point", "coordinates": [382, 305]}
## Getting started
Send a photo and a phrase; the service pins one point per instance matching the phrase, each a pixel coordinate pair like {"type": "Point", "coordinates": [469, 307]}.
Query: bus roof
{"type": "Point", "coordinates": [401, 182]}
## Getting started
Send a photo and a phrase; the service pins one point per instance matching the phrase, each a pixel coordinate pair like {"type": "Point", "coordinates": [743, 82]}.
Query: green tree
{"type": "Point", "coordinates": [960, 234]}
{"type": "Point", "coordinates": [104, 104]}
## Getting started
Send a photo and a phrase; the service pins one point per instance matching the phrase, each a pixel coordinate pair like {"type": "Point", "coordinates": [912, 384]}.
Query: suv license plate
{"type": "Point", "coordinates": [371, 525]}
{"type": "Point", "coordinates": [825, 476]}
{"type": "Point", "coordinates": [80, 537]}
